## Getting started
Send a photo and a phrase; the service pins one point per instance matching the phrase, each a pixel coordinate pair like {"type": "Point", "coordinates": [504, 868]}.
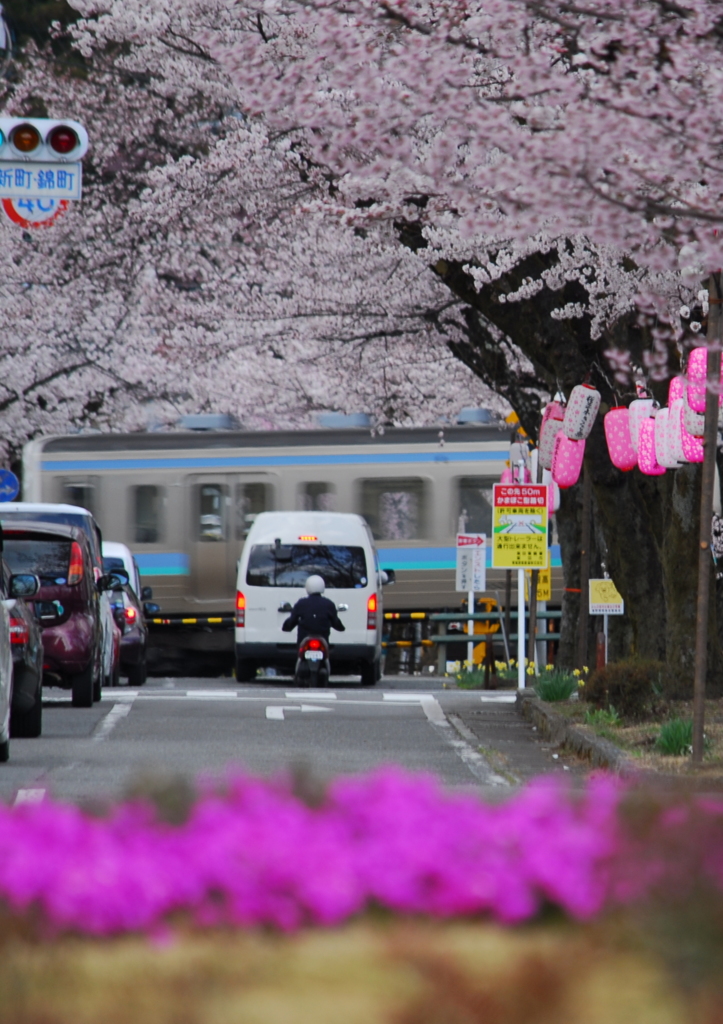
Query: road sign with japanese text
{"type": "Point", "coordinates": [605, 599]}
{"type": "Point", "coordinates": [471, 562]}
{"type": "Point", "coordinates": [519, 526]}
{"type": "Point", "coordinates": [19, 180]}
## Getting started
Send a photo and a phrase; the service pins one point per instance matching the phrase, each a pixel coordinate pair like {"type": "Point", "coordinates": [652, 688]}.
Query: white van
{"type": "Point", "coordinates": [281, 551]}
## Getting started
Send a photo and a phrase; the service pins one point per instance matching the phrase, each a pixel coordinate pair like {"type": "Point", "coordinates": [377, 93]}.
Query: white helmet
{"type": "Point", "coordinates": [315, 585]}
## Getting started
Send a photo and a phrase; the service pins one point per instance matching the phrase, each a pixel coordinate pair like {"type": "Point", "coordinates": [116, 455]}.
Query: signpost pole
{"type": "Point", "coordinates": [520, 629]}
{"type": "Point", "coordinates": [605, 631]}
{"type": "Point", "coordinates": [470, 630]}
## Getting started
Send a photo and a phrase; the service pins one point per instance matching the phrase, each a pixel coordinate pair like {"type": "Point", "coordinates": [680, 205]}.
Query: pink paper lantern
{"type": "Point", "coordinates": [581, 411]}
{"type": "Point", "coordinates": [639, 409]}
{"type": "Point", "coordinates": [697, 373]}
{"type": "Point", "coordinates": [617, 435]}
{"type": "Point", "coordinates": [676, 389]}
{"type": "Point", "coordinates": [647, 461]}
{"type": "Point", "coordinates": [663, 448]}
{"type": "Point", "coordinates": [567, 460]}
{"type": "Point", "coordinates": [675, 426]}
{"type": "Point", "coordinates": [548, 431]}
{"type": "Point", "coordinates": [506, 477]}
{"type": "Point", "coordinates": [553, 410]}
{"type": "Point", "coordinates": [553, 492]}
{"type": "Point", "coordinates": [693, 450]}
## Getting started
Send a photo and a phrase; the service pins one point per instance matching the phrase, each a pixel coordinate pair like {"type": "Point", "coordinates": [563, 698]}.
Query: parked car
{"type": "Point", "coordinates": [129, 611]}
{"type": "Point", "coordinates": [68, 603]}
{"type": "Point", "coordinates": [26, 713]}
{"type": "Point", "coordinates": [74, 515]}
{"type": "Point", "coordinates": [22, 585]}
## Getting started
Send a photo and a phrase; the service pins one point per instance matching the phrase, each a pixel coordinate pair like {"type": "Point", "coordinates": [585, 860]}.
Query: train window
{"type": "Point", "coordinates": [212, 505]}
{"type": "Point", "coordinates": [148, 514]}
{"type": "Point", "coordinates": [81, 493]}
{"type": "Point", "coordinates": [251, 499]}
{"type": "Point", "coordinates": [317, 497]}
{"type": "Point", "coordinates": [394, 509]}
{"type": "Point", "coordinates": [474, 505]}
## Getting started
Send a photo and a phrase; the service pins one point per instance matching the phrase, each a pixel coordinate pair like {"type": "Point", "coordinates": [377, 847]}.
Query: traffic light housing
{"type": "Point", "coordinates": [42, 139]}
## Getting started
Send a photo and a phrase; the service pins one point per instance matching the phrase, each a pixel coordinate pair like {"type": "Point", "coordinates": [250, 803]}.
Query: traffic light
{"type": "Point", "coordinates": [42, 139]}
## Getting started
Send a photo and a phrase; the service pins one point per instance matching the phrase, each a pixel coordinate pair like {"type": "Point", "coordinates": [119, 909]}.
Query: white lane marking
{"type": "Point", "coordinates": [465, 744]}
{"type": "Point", "coordinates": [212, 694]}
{"type": "Point", "coordinates": [111, 720]}
{"type": "Point", "coordinates": [29, 796]}
{"type": "Point", "coordinates": [471, 755]}
{"type": "Point", "coordinates": [498, 698]}
{"type": "Point", "coordinates": [310, 695]}
{"type": "Point", "coordinates": [276, 713]}
{"type": "Point", "coordinates": [429, 704]}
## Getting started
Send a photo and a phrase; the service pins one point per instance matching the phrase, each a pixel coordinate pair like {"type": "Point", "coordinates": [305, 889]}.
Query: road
{"type": "Point", "coordinates": [204, 726]}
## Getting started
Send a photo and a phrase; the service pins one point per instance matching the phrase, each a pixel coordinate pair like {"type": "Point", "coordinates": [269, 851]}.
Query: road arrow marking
{"type": "Point", "coordinates": [276, 712]}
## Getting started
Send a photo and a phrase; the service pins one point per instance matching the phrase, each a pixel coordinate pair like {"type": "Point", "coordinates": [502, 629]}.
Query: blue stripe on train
{"type": "Point", "coordinates": [175, 563]}
{"type": "Point", "coordinates": [261, 461]}
{"type": "Point", "coordinates": [437, 558]}
{"type": "Point", "coordinates": [163, 563]}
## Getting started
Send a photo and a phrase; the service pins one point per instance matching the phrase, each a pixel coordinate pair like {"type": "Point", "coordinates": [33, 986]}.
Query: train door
{"type": "Point", "coordinates": [213, 559]}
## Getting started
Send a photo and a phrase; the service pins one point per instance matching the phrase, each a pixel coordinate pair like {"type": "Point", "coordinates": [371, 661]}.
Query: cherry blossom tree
{"type": "Point", "coordinates": [181, 282]}
{"type": "Point", "coordinates": [548, 160]}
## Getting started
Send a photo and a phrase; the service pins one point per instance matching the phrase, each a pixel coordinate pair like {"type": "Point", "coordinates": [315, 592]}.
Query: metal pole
{"type": "Point", "coordinates": [584, 568]}
{"type": "Point", "coordinates": [534, 575]}
{"type": "Point", "coordinates": [605, 630]}
{"type": "Point", "coordinates": [504, 619]}
{"type": "Point", "coordinates": [520, 629]}
{"type": "Point", "coordinates": [508, 609]}
{"type": "Point", "coordinates": [470, 629]}
{"type": "Point", "coordinates": [706, 512]}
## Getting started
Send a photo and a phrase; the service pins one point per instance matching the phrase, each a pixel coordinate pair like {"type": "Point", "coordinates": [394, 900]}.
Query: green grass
{"type": "Point", "coordinates": [602, 717]}
{"type": "Point", "coordinates": [557, 686]}
{"type": "Point", "coordinates": [676, 738]}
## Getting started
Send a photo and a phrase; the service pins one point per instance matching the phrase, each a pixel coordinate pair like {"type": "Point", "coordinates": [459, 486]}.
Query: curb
{"type": "Point", "coordinates": [601, 753]}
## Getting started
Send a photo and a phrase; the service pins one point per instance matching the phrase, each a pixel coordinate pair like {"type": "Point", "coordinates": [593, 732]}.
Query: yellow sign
{"type": "Point", "coordinates": [605, 599]}
{"type": "Point", "coordinates": [544, 584]}
{"type": "Point", "coordinates": [519, 526]}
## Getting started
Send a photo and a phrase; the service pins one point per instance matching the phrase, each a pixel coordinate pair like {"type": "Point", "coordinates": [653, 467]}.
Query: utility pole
{"type": "Point", "coordinates": [710, 443]}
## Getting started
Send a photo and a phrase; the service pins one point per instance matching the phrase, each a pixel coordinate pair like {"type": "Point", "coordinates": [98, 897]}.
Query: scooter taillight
{"type": "Point", "coordinates": [313, 643]}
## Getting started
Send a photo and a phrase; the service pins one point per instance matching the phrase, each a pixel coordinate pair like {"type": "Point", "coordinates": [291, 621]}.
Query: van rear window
{"type": "Point", "coordinates": [47, 558]}
{"type": "Point", "coordinates": [288, 565]}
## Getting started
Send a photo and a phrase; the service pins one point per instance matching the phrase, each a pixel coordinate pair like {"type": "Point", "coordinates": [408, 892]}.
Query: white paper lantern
{"type": "Point", "coordinates": [551, 426]}
{"type": "Point", "coordinates": [675, 430]}
{"type": "Point", "coordinates": [581, 412]}
{"type": "Point", "coordinates": [694, 422]}
{"type": "Point", "coordinates": [639, 410]}
{"type": "Point", "coordinates": [663, 447]}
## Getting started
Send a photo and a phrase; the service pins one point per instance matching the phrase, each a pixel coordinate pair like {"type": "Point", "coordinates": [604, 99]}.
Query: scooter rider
{"type": "Point", "coordinates": [315, 615]}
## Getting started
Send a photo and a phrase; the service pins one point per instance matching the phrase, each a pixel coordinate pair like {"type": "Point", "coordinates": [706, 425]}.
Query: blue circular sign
{"type": "Point", "coordinates": [9, 485]}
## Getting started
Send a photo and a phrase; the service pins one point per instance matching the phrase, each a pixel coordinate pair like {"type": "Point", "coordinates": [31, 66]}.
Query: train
{"type": "Point", "coordinates": [184, 501]}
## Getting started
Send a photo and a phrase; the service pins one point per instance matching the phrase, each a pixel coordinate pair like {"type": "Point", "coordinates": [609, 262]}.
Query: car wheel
{"type": "Point", "coordinates": [137, 674]}
{"type": "Point", "coordinates": [245, 671]}
{"type": "Point", "coordinates": [5, 751]}
{"type": "Point", "coordinates": [83, 686]}
{"type": "Point", "coordinates": [368, 674]}
{"type": "Point", "coordinates": [30, 724]}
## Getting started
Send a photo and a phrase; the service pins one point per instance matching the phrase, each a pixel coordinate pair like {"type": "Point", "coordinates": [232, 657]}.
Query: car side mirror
{"type": "Point", "coordinates": [388, 576]}
{"type": "Point", "coordinates": [151, 609]}
{"type": "Point", "coordinates": [109, 582]}
{"type": "Point", "coordinates": [24, 584]}
{"type": "Point", "coordinates": [146, 593]}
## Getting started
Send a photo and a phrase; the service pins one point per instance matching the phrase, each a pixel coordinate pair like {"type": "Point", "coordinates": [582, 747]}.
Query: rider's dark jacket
{"type": "Point", "coordinates": [315, 615]}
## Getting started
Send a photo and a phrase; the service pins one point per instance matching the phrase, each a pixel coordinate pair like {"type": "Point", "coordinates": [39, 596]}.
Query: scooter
{"type": "Point", "coordinates": [312, 662]}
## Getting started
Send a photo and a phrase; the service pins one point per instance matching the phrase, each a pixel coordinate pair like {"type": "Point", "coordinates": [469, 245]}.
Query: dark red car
{"type": "Point", "coordinates": [67, 604]}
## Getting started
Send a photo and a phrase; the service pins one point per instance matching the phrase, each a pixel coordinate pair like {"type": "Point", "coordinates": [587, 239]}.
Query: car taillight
{"type": "Point", "coordinates": [372, 612]}
{"type": "Point", "coordinates": [75, 570]}
{"type": "Point", "coordinates": [240, 609]}
{"type": "Point", "coordinates": [19, 632]}
{"type": "Point", "coordinates": [130, 615]}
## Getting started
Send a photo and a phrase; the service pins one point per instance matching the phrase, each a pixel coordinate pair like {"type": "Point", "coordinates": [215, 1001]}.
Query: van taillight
{"type": "Point", "coordinates": [240, 609]}
{"type": "Point", "coordinates": [75, 571]}
{"type": "Point", "coordinates": [372, 612]}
